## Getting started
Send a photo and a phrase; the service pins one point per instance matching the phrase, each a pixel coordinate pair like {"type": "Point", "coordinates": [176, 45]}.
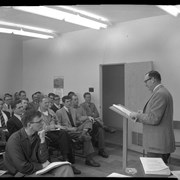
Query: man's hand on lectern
{"type": "Point", "coordinates": [133, 116]}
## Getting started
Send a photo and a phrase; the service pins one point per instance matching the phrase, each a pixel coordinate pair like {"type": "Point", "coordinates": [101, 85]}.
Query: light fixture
{"type": "Point", "coordinates": [173, 10]}
{"type": "Point", "coordinates": [84, 13]}
{"type": "Point", "coordinates": [25, 26]}
{"type": "Point", "coordinates": [61, 15]}
{"type": "Point", "coordinates": [24, 33]}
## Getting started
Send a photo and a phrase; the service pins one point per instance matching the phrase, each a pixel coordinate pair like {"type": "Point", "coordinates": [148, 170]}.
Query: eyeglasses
{"type": "Point", "coordinates": [57, 99]}
{"type": "Point", "coordinates": [147, 80]}
{"type": "Point", "coordinates": [37, 122]}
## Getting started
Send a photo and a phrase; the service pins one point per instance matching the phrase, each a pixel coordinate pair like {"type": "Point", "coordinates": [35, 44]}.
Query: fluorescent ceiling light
{"type": "Point", "coordinates": [26, 27]}
{"type": "Point", "coordinates": [24, 33]}
{"type": "Point", "coordinates": [61, 15]}
{"type": "Point", "coordinates": [173, 10]}
{"type": "Point", "coordinates": [84, 13]}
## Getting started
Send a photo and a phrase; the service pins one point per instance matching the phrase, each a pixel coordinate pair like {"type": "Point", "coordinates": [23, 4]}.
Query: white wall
{"type": "Point", "coordinates": [77, 55]}
{"type": "Point", "coordinates": [10, 64]}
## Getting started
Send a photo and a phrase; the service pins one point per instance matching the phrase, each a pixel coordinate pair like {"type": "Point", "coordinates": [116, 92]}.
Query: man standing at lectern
{"type": "Point", "coordinates": [157, 119]}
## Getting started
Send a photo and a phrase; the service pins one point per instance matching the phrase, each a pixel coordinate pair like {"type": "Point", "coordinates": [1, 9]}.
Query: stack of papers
{"type": "Point", "coordinates": [154, 166]}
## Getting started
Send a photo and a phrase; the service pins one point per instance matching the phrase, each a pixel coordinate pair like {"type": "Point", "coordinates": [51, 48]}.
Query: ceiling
{"type": "Point", "coordinates": [114, 13]}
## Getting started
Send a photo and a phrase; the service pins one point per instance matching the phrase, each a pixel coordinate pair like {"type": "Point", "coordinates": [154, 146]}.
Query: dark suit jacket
{"type": "Point", "coordinates": [13, 125]}
{"type": "Point", "coordinates": [7, 114]}
{"type": "Point", "coordinates": [54, 108]}
{"type": "Point", "coordinates": [23, 157]}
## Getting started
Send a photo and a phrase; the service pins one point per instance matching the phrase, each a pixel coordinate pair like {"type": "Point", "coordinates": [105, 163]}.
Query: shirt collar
{"type": "Point", "coordinates": [66, 108]}
{"type": "Point", "coordinates": [58, 106]}
{"type": "Point", "coordinates": [18, 116]}
{"type": "Point", "coordinates": [156, 87]}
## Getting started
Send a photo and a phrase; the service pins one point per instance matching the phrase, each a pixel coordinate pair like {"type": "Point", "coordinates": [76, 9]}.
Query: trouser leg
{"type": "Point", "coordinates": [62, 141]}
{"type": "Point", "coordinates": [164, 157]}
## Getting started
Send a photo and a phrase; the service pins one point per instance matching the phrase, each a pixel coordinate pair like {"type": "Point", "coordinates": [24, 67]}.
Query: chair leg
{"type": "Point", "coordinates": [143, 152]}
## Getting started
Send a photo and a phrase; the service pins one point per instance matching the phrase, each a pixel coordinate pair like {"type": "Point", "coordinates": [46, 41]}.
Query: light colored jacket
{"type": "Point", "coordinates": [157, 119]}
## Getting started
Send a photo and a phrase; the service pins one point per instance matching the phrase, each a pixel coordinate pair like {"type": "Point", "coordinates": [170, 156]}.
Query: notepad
{"type": "Point", "coordinates": [176, 173]}
{"type": "Point", "coordinates": [154, 166]}
{"type": "Point", "coordinates": [52, 166]}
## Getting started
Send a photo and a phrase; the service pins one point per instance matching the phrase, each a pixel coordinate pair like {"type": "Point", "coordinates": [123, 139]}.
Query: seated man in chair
{"type": "Point", "coordinates": [59, 138]}
{"type": "Point", "coordinates": [67, 117]}
{"type": "Point", "coordinates": [89, 109]}
{"type": "Point", "coordinates": [4, 133]}
{"type": "Point", "coordinates": [26, 150]}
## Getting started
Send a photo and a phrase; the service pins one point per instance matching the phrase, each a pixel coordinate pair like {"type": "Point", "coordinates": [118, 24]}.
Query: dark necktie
{"type": "Point", "coordinates": [2, 120]}
{"type": "Point", "coordinates": [70, 118]}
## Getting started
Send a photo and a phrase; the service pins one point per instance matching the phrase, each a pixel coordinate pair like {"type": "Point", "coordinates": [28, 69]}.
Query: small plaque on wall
{"type": "Point", "coordinates": [58, 82]}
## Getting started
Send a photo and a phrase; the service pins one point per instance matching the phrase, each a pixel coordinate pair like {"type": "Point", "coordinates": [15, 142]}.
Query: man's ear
{"type": "Point", "coordinates": [28, 125]}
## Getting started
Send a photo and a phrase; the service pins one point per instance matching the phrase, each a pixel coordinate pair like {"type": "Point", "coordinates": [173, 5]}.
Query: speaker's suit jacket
{"type": "Point", "coordinates": [157, 119]}
{"type": "Point", "coordinates": [13, 125]}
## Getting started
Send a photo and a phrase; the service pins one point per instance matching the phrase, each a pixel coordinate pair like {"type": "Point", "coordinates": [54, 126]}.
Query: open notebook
{"type": "Point", "coordinates": [52, 166]}
{"type": "Point", "coordinates": [154, 166]}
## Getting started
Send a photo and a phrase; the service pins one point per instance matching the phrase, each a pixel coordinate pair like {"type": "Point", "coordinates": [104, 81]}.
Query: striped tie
{"type": "Point", "coordinates": [2, 120]}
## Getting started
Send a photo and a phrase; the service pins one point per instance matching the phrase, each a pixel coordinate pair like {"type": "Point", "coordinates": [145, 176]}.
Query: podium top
{"type": "Point", "coordinates": [122, 110]}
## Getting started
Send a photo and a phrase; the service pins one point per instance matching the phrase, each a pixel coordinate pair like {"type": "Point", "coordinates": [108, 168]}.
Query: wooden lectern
{"type": "Point", "coordinates": [123, 111]}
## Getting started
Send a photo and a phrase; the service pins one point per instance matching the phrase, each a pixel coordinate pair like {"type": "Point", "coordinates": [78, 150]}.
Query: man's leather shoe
{"type": "Point", "coordinates": [92, 163]}
{"type": "Point", "coordinates": [103, 154]}
{"type": "Point", "coordinates": [75, 170]}
{"type": "Point", "coordinates": [108, 129]}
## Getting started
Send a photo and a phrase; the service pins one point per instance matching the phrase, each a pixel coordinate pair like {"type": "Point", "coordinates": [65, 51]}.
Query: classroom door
{"type": "Point", "coordinates": [112, 92]}
{"type": "Point", "coordinates": [123, 84]}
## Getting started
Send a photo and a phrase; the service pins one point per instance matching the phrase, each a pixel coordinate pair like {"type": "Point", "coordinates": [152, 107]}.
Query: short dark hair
{"type": "Point", "coordinates": [71, 93]}
{"type": "Point", "coordinates": [14, 103]}
{"type": "Point", "coordinates": [86, 93]}
{"type": "Point", "coordinates": [29, 115]}
{"type": "Point", "coordinates": [64, 98]}
{"type": "Point", "coordinates": [7, 95]}
{"type": "Point", "coordinates": [51, 94]}
{"type": "Point", "coordinates": [1, 99]}
{"type": "Point", "coordinates": [22, 91]}
{"type": "Point", "coordinates": [155, 75]}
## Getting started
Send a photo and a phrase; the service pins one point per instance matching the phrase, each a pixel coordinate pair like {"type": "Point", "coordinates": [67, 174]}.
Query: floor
{"type": "Point", "coordinates": [108, 165]}
{"type": "Point", "coordinates": [114, 162]}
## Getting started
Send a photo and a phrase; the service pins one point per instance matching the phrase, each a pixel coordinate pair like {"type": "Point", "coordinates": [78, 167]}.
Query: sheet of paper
{"type": "Point", "coordinates": [2, 172]}
{"type": "Point", "coordinates": [117, 175]}
{"type": "Point", "coordinates": [176, 173]}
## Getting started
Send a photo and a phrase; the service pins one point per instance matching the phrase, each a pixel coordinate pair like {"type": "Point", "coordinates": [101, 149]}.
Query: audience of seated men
{"type": "Point", "coordinates": [26, 150]}
{"type": "Point", "coordinates": [59, 139]}
{"type": "Point", "coordinates": [67, 117]}
{"type": "Point", "coordinates": [7, 103]}
{"type": "Point", "coordinates": [88, 108]}
{"type": "Point", "coordinates": [4, 134]}
{"type": "Point", "coordinates": [56, 105]}
{"type": "Point", "coordinates": [14, 123]}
